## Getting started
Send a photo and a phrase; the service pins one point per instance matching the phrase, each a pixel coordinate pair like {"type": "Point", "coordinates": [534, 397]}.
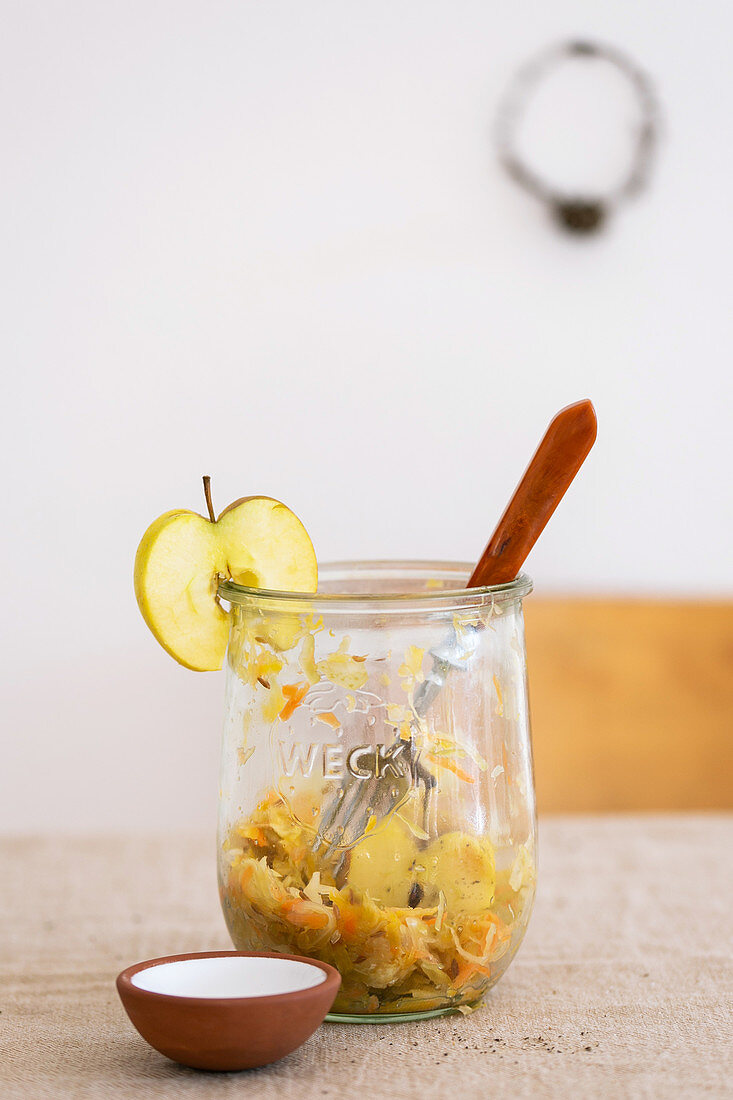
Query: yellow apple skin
{"type": "Point", "coordinates": [182, 555]}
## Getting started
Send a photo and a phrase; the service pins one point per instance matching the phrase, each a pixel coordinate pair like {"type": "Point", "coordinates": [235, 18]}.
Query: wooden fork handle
{"type": "Point", "coordinates": [555, 463]}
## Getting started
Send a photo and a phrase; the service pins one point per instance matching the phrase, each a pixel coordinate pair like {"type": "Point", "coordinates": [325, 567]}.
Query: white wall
{"type": "Point", "coordinates": [271, 242]}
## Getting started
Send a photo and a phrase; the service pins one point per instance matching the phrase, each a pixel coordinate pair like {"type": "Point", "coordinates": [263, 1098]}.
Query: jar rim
{"type": "Point", "coordinates": [439, 596]}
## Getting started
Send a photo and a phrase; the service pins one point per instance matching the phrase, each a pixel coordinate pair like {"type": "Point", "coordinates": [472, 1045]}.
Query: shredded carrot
{"type": "Point", "coordinates": [347, 921]}
{"type": "Point", "coordinates": [266, 802]}
{"type": "Point", "coordinates": [467, 971]}
{"type": "Point", "coordinates": [314, 920]}
{"type": "Point", "coordinates": [295, 694]}
{"type": "Point", "coordinates": [252, 832]}
{"type": "Point", "coordinates": [500, 697]}
{"type": "Point", "coordinates": [348, 925]}
{"type": "Point", "coordinates": [297, 911]}
{"type": "Point", "coordinates": [441, 762]}
{"type": "Point", "coordinates": [329, 718]}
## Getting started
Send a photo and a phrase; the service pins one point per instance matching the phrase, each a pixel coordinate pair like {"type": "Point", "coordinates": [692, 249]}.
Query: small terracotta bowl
{"type": "Point", "coordinates": [227, 1010]}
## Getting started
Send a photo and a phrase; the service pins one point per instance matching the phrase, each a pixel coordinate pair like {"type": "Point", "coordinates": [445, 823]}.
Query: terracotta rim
{"type": "Point", "coordinates": [331, 984]}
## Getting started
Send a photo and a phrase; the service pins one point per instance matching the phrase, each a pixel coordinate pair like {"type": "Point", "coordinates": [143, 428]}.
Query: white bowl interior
{"type": "Point", "coordinates": [228, 976]}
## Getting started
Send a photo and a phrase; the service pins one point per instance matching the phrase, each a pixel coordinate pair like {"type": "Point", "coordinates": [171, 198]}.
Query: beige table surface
{"type": "Point", "coordinates": [622, 987]}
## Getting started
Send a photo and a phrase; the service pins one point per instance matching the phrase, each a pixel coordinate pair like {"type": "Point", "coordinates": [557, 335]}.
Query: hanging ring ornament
{"type": "Point", "coordinates": [580, 214]}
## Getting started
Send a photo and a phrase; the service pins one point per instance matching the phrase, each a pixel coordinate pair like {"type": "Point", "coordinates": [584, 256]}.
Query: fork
{"type": "Point", "coordinates": [560, 454]}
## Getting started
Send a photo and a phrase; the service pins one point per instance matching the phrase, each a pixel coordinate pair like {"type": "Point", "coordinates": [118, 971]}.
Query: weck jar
{"type": "Point", "coordinates": [377, 806]}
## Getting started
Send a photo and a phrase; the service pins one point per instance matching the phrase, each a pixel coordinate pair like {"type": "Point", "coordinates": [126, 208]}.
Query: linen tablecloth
{"type": "Point", "coordinates": [622, 987]}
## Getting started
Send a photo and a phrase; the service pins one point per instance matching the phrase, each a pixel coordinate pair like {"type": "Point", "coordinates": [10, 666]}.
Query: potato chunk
{"type": "Point", "coordinates": [382, 864]}
{"type": "Point", "coordinates": [462, 866]}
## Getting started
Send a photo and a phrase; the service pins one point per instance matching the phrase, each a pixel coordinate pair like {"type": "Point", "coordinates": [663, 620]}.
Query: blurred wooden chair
{"type": "Point", "coordinates": [632, 703]}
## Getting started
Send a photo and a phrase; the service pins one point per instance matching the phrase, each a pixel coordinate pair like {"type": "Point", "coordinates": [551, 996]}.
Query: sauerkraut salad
{"type": "Point", "coordinates": [411, 925]}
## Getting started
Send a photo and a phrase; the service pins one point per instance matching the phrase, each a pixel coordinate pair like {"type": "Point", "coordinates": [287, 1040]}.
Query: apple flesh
{"type": "Point", "coordinates": [256, 541]}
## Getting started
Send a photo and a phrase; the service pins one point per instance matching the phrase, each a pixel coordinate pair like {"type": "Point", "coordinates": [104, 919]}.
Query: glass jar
{"type": "Point", "coordinates": [377, 805]}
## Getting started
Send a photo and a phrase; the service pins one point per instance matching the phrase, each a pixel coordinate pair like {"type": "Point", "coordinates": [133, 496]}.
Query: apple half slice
{"type": "Point", "coordinates": [256, 541]}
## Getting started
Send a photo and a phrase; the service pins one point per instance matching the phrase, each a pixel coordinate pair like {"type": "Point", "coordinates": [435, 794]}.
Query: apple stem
{"type": "Point", "coordinates": [207, 494]}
